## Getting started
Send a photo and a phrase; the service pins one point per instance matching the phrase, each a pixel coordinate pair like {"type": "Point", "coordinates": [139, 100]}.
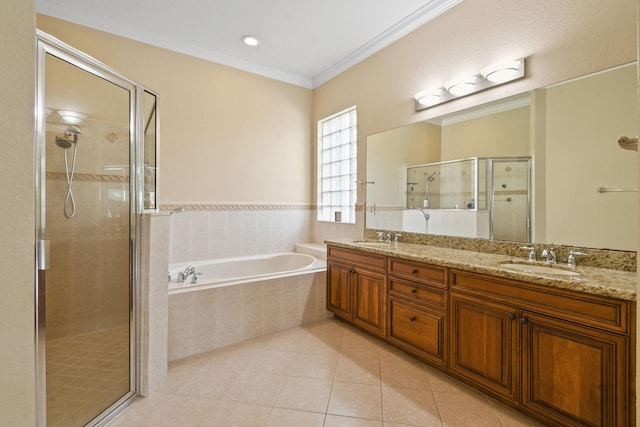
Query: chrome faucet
{"type": "Point", "coordinates": [549, 255]}
{"type": "Point", "coordinates": [182, 276]}
{"type": "Point", "coordinates": [532, 252]}
{"type": "Point", "coordinates": [571, 261]}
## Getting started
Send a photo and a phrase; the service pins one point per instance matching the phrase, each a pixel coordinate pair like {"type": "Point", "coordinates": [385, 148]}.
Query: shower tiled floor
{"type": "Point", "coordinates": [322, 374]}
{"type": "Point", "coordinates": [86, 374]}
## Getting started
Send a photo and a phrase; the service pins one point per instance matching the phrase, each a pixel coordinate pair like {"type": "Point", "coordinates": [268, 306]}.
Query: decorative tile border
{"type": "Point", "coordinates": [88, 177]}
{"type": "Point", "coordinates": [204, 207]}
{"type": "Point", "coordinates": [207, 206]}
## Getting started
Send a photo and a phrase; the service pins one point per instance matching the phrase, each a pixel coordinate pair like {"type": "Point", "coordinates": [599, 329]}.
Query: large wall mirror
{"type": "Point", "coordinates": [548, 168]}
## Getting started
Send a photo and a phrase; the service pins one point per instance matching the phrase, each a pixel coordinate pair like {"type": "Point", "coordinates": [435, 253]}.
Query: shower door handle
{"type": "Point", "coordinates": [43, 254]}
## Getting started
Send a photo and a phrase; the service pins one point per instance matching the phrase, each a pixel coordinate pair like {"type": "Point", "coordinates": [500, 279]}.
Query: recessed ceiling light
{"type": "Point", "coordinates": [251, 40]}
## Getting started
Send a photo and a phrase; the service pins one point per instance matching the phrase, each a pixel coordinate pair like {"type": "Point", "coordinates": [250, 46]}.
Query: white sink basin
{"type": "Point", "coordinates": [539, 269]}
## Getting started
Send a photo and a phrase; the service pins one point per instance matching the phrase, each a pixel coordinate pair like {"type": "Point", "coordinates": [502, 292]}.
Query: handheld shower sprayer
{"type": "Point", "coordinates": [69, 139]}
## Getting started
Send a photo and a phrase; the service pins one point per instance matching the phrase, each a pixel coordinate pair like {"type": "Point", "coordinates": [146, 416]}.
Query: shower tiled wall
{"type": "Point", "coordinates": [88, 279]}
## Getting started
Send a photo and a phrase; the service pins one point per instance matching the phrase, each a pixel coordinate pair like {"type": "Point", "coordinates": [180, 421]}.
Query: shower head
{"type": "Point", "coordinates": [66, 141]}
{"type": "Point", "coordinates": [433, 176]}
{"type": "Point", "coordinates": [63, 142]}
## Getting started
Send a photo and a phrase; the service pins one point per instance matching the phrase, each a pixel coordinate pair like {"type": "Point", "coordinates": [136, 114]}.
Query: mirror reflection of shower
{"type": "Point", "coordinates": [70, 139]}
{"type": "Point", "coordinates": [430, 178]}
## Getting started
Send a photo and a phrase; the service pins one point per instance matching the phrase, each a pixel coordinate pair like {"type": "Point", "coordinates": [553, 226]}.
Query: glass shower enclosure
{"type": "Point", "coordinates": [482, 197]}
{"type": "Point", "coordinates": [95, 174]}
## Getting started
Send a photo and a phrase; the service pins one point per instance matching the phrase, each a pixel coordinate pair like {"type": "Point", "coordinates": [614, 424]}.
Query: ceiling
{"type": "Point", "coordinates": [303, 42]}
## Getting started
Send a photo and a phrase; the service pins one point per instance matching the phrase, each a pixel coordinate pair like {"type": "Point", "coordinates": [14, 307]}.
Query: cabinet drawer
{"type": "Point", "coordinates": [591, 310]}
{"type": "Point", "coordinates": [427, 295]}
{"type": "Point", "coordinates": [418, 271]}
{"type": "Point", "coordinates": [417, 330]}
{"type": "Point", "coordinates": [365, 259]}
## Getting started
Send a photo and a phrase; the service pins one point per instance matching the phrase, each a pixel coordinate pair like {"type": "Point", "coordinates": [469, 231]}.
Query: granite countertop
{"type": "Point", "coordinates": [593, 280]}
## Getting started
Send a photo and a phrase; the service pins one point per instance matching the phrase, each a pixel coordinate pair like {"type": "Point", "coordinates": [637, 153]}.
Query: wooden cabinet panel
{"type": "Point", "coordinates": [417, 330]}
{"type": "Point", "coordinates": [418, 271]}
{"type": "Point", "coordinates": [357, 289]}
{"type": "Point", "coordinates": [363, 259]}
{"type": "Point", "coordinates": [601, 312]}
{"type": "Point", "coordinates": [370, 298]}
{"type": "Point", "coordinates": [483, 343]}
{"type": "Point", "coordinates": [339, 290]}
{"type": "Point", "coordinates": [430, 296]}
{"type": "Point", "coordinates": [573, 374]}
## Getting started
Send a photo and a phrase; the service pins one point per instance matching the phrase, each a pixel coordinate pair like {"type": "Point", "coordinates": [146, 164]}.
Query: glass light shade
{"type": "Point", "coordinates": [503, 72]}
{"type": "Point", "coordinates": [72, 117]}
{"type": "Point", "coordinates": [461, 86]}
{"type": "Point", "coordinates": [429, 97]}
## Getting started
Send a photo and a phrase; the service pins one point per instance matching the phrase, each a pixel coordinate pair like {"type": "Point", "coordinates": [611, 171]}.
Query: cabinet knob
{"type": "Point", "coordinates": [351, 271]}
{"type": "Point", "coordinates": [524, 320]}
{"type": "Point", "coordinates": [414, 271]}
{"type": "Point", "coordinates": [412, 318]}
{"type": "Point", "coordinates": [413, 291]}
{"type": "Point", "coordinates": [512, 316]}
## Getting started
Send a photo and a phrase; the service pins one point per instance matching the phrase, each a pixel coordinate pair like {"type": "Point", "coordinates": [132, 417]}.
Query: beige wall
{"type": "Point", "coordinates": [225, 135]}
{"type": "Point", "coordinates": [583, 120]}
{"type": "Point", "coordinates": [560, 40]}
{"type": "Point", "coordinates": [17, 352]}
{"type": "Point", "coordinates": [503, 134]}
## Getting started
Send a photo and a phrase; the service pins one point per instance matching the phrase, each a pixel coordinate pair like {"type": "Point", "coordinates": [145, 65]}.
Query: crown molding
{"type": "Point", "coordinates": [420, 17]}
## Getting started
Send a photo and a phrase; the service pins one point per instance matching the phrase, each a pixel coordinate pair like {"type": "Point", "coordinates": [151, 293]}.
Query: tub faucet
{"type": "Point", "coordinates": [182, 276]}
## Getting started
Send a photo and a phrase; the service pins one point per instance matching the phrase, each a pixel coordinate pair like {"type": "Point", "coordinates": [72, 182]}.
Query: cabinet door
{"type": "Point", "coordinates": [370, 297]}
{"type": "Point", "coordinates": [574, 374]}
{"type": "Point", "coordinates": [484, 337]}
{"type": "Point", "coordinates": [339, 290]}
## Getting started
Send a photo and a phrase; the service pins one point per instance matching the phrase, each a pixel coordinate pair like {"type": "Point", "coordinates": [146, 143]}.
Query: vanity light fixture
{"type": "Point", "coordinates": [250, 40]}
{"type": "Point", "coordinates": [493, 75]}
{"type": "Point", "coordinates": [72, 117]}
{"type": "Point", "coordinates": [461, 85]}
{"type": "Point", "coordinates": [504, 72]}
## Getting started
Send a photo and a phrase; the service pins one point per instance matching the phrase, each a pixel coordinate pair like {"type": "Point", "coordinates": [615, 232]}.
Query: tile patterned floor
{"type": "Point", "coordinates": [323, 374]}
{"type": "Point", "coordinates": [85, 375]}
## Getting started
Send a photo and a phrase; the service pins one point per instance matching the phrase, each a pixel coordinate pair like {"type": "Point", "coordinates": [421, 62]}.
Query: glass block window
{"type": "Point", "coordinates": [337, 166]}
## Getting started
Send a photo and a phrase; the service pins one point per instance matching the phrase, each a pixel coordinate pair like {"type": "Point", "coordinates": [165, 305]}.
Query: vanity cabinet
{"type": "Point", "coordinates": [558, 354]}
{"type": "Point", "coordinates": [357, 288]}
{"type": "Point", "coordinates": [417, 315]}
{"type": "Point", "coordinates": [565, 357]}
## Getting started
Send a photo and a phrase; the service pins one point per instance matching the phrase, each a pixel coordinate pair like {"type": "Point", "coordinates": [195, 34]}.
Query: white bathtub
{"type": "Point", "coordinates": [234, 271]}
{"type": "Point", "coordinates": [275, 292]}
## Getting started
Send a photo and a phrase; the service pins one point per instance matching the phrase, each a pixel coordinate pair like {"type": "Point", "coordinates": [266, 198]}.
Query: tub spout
{"type": "Point", "coordinates": [182, 276]}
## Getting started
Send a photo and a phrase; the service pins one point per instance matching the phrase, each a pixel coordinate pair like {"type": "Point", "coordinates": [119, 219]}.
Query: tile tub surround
{"type": "Point", "coordinates": [321, 374]}
{"type": "Point", "coordinates": [594, 280]}
{"type": "Point", "coordinates": [604, 258]}
{"type": "Point", "coordinates": [215, 230]}
{"type": "Point", "coordinates": [207, 319]}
